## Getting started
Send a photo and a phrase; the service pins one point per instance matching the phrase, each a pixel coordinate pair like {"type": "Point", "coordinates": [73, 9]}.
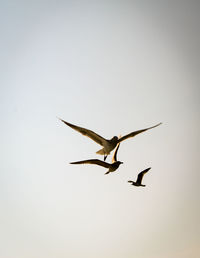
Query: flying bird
{"type": "Point", "coordinates": [111, 166]}
{"type": "Point", "coordinates": [139, 178]}
{"type": "Point", "coordinates": [108, 145]}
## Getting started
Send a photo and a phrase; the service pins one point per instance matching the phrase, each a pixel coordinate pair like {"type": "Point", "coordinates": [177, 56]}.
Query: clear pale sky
{"type": "Point", "coordinates": [113, 67]}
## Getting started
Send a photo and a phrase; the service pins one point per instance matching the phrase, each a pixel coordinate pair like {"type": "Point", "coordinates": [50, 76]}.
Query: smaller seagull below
{"type": "Point", "coordinates": [139, 178]}
{"type": "Point", "coordinates": [111, 166]}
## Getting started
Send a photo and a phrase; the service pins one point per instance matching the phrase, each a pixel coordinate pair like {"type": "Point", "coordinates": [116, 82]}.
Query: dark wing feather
{"type": "Point", "coordinates": [92, 135]}
{"type": "Point", "coordinates": [136, 132]}
{"type": "Point", "coordinates": [140, 175]}
{"type": "Point", "coordinates": [114, 158]}
{"type": "Point", "coordinates": [92, 161]}
{"type": "Point", "coordinates": [130, 181]}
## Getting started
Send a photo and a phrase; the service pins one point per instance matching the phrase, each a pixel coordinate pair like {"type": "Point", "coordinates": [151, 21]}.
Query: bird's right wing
{"type": "Point", "coordinates": [130, 181]}
{"type": "Point", "coordinates": [114, 158]}
{"type": "Point", "coordinates": [92, 161]}
{"type": "Point", "coordinates": [92, 135]}
{"type": "Point", "coordinates": [136, 132]}
{"type": "Point", "coordinates": [141, 174]}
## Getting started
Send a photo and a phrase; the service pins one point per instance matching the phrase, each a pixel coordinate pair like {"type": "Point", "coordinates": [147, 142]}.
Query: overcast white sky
{"type": "Point", "coordinates": [113, 67]}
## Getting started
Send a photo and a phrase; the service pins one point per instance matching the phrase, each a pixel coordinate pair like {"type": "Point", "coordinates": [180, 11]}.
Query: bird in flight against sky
{"type": "Point", "coordinates": [111, 166]}
{"type": "Point", "coordinates": [108, 145]}
{"type": "Point", "coordinates": [139, 178]}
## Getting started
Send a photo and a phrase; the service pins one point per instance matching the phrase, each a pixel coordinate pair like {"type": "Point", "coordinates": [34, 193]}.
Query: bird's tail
{"type": "Point", "coordinates": [101, 152]}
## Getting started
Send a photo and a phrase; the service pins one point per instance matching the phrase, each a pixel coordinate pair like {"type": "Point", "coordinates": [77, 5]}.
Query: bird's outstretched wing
{"type": "Point", "coordinates": [93, 161]}
{"type": "Point", "coordinates": [141, 174]}
{"type": "Point", "coordinates": [92, 135]}
{"type": "Point", "coordinates": [114, 158]}
{"type": "Point", "coordinates": [136, 132]}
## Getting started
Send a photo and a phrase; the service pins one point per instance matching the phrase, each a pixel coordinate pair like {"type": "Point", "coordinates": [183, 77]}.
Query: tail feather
{"type": "Point", "coordinates": [101, 152]}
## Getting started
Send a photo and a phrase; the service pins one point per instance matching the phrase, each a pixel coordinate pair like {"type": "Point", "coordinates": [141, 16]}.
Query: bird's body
{"type": "Point", "coordinates": [135, 184]}
{"type": "Point", "coordinates": [111, 166]}
{"type": "Point", "coordinates": [139, 178]}
{"type": "Point", "coordinates": [108, 145]}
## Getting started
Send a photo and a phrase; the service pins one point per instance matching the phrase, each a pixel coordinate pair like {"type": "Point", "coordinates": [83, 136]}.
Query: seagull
{"type": "Point", "coordinates": [111, 166]}
{"type": "Point", "coordinates": [139, 178]}
{"type": "Point", "coordinates": [108, 145]}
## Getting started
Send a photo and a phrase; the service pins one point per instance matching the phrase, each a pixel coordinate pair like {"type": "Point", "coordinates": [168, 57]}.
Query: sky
{"type": "Point", "coordinates": [113, 67]}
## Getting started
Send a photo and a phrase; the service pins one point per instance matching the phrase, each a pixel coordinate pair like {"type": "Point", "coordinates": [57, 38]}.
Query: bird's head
{"type": "Point", "coordinates": [114, 139]}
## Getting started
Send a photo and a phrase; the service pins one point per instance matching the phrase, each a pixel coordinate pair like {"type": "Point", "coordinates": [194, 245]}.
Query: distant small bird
{"type": "Point", "coordinates": [139, 178]}
{"type": "Point", "coordinates": [108, 145]}
{"type": "Point", "coordinates": [111, 166]}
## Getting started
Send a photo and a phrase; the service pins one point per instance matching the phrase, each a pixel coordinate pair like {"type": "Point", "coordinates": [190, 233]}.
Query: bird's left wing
{"type": "Point", "coordinates": [92, 161]}
{"type": "Point", "coordinates": [136, 132]}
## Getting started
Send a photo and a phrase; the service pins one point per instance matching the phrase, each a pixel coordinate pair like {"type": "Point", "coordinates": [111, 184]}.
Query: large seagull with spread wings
{"type": "Point", "coordinates": [108, 145]}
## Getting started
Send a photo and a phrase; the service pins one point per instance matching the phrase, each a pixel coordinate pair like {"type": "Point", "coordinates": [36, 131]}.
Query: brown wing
{"type": "Point", "coordinates": [92, 135]}
{"type": "Point", "coordinates": [136, 132]}
{"type": "Point", "coordinates": [141, 174]}
{"type": "Point", "coordinates": [93, 161]}
{"type": "Point", "coordinates": [114, 158]}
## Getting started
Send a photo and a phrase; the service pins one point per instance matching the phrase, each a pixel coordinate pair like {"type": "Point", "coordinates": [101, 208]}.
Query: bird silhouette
{"type": "Point", "coordinates": [139, 178]}
{"type": "Point", "coordinates": [108, 145]}
{"type": "Point", "coordinates": [111, 166]}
